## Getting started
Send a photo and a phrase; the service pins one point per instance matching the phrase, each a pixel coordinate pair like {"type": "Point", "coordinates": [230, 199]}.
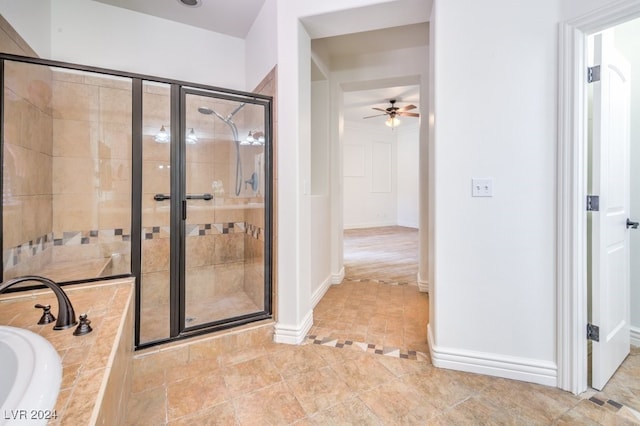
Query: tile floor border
{"type": "Point", "coordinates": [371, 348]}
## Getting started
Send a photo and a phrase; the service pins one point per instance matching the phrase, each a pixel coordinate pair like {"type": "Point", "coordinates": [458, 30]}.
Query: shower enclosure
{"type": "Point", "coordinates": [109, 174]}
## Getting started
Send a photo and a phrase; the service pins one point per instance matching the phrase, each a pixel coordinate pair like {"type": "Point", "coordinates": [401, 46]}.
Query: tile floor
{"type": "Point", "coordinates": [365, 362]}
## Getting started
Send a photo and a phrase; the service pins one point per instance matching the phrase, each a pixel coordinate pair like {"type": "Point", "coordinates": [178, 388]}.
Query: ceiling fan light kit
{"type": "Point", "coordinates": [393, 112]}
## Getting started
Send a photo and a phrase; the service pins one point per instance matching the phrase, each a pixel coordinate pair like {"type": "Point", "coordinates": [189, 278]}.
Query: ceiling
{"type": "Point", "coordinates": [230, 17]}
{"type": "Point", "coordinates": [359, 104]}
{"type": "Point", "coordinates": [360, 97]}
{"type": "Point", "coordinates": [235, 18]}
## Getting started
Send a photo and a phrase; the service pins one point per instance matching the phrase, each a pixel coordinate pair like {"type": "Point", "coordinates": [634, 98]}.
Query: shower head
{"type": "Point", "coordinates": [205, 110]}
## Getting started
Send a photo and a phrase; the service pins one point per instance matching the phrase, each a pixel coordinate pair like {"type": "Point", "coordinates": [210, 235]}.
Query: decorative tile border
{"type": "Point", "coordinates": [195, 230]}
{"type": "Point", "coordinates": [18, 254]}
{"type": "Point", "coordinates": [73, 238]}
{"type": "Point", "coordinates": [368, 347]}
{"type": "Point", "coordinates": [372, 280]}
{"type": "Point", "coordinates": [21, 253]}
{"type": "Point", "coordinates": [619, 409]}
{"type": "Point", "coordinates": [14, 256]}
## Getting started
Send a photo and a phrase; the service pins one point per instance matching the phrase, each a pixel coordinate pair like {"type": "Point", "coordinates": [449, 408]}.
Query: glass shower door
{"type": "Point", "coordinates": [223, 209]}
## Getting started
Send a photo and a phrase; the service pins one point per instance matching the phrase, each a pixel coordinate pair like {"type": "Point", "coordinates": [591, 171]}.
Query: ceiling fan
{"type": "Point", "coordinates": [393, 112]}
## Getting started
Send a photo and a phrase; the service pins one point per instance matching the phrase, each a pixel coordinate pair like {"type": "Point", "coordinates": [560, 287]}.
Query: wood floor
{"type": "Point", "coordinates": [387, 253]}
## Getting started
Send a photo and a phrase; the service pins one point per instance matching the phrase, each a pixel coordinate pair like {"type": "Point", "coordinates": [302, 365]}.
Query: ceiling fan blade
{"type": "Point", "coordinates": [380, 109]}
{"type": "Point", "coordinates": [406, 108]}
{"type": "Point", "coordinates": [377, 115]}
{"type": "Point", "coordinates": [408, 114]}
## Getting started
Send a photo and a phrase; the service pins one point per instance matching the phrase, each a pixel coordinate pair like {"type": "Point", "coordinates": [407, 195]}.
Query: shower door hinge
{"type": "Point", "coordinates": [593, 203]}
{"type": "Point", "coordinates": [593, 74]}
{"type": "Point", "coordinates": [593, 332]}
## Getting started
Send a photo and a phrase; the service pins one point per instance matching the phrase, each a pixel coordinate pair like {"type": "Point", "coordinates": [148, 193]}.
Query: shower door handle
{"type": "Point", "coordinates": [206, 197]}
{"type": "Point", "coordinates": [162, 197]}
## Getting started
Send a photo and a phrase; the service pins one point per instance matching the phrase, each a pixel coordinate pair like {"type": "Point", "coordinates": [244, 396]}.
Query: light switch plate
{"type": "Point", "coordinates": [482, 187]}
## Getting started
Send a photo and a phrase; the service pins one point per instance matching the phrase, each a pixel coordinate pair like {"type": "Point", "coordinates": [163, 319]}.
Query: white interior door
{"type": "Point", "coordinates": [610, 236]}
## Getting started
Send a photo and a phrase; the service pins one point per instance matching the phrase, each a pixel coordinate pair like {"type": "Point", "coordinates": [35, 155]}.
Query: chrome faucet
{"type": "Point", "coordinates": [66, 315]}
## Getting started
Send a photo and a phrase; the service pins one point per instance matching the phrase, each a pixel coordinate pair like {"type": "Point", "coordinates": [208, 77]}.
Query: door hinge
{"type": "Point", "coordinates": [593, 203]}
{"type": "Point", "coordinates": [593, 74]}
{"type": "Point", "coordinates": [593, 332]}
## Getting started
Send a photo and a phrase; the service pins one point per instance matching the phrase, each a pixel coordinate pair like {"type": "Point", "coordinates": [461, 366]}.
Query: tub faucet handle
{"type": "Point", "coordinates": [83, 327]}
{"type": "Point", "coordinates": [47, 317]}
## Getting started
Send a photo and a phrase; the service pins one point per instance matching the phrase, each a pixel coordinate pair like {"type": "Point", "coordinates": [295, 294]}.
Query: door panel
{"type": "Point", "coordinates": [610, 237]}
{"type": "Point", "coordinates": [223, 194]}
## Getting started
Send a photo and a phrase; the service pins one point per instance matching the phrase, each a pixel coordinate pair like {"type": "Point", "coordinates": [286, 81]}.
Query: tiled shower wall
{"type": "Point", "coordinates": [75, 184]}
{"type": "Point", "coordinates": [92, 169]}
{"type": "Point", "coordinates": [28, 150]}
{"type": "Point", "coordinates": [67, 144]}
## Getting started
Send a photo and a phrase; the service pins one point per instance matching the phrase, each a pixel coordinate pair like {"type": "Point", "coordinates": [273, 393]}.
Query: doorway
{"type": "Point", "coordinates": [573, 244]}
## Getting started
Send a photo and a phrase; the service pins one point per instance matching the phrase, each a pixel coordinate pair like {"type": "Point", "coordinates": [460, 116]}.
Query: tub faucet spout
{"type": "Point", "coordinates": [66, 314]}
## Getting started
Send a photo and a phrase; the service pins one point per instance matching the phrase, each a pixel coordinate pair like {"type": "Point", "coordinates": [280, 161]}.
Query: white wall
{"type": "Point", "coordinates": [494, 265]}
{"type": "Point", "coordinates": [408, 159]}
{"type": "Point", "coordinates": [261, 45]}
{"type": "Point", "coordinates": [320, 164]}
{"type": "Point", "coordinates": [368, 200]}
{"type": "Point", "coordinates": [93, 33]}
{"type": "Point", "coordinates": [320, 200]}
{"type": "Point", "coordinates": [32, 20]}
{"type": "Point", "coordinates": [320, 249]}
{"type": "Point", "coordinates": [627, 36]}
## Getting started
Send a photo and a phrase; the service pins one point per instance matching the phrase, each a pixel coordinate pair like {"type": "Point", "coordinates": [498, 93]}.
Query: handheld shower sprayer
{"type": "Point", "coordinates": [228, 120]}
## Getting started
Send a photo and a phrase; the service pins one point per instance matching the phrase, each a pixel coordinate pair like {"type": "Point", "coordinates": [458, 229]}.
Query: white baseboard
{"type": "Point", "coordinates": [337, 278]}
{"type": "Point", "coordinates": [423, 285]}
{"type": "Point", "coordinates": [407, 224]}
{"type": "Point", "coordinates": [635, 336]}
{"type": "Point", "coordinates": [524, 369]}
{"type": "Point", "coordinates": [293, 334]}
{"type": "Point", "coordinates": [320, 291]}
{"type": "Point", "coordinates": [368, 225]}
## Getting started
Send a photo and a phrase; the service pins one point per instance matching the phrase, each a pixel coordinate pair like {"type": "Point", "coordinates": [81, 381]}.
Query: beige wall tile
{"type": "Point", "coordinates": [153, 151]}
{"type": "Point", "coordinates": [121, 83]}
{"type": "Point", "coordinates": [156, 109]}
{"type": "Point", "coordinates": [14, 109]}
{"type": "Point", "coordinates": [60, 75]}
{"type": "Point", "coordinates": [12, 233]}
{"type": "Point", "coordinates": [115, 142]}
{"type": "Point", "coordinates": [200, 250]}
{"type": "Point", "coordinates": [200, 284]}
{"type": "Point", "coordinates": [36, 129]}
{"type": "Point", "coordinates": [73, 175]}
{"type": "Point", "coordinates": [114, 214]}
{"type": "Point", "coordinates": [30, 82]}
{"type": "Point", "coordinates": [73, 101]}
{"type": "Point", "coordinates": [74, 212]}
{"type": "Point", "coordinates": [73, 138]}
{"type": "Point", "coordinates": [229, 248]}
{"type": "Point", "coordinates": [115, 177]}
{"type": "Point", "coordinates": [228, 278]}
{"type": "Point", "coordinates": [154, 213]}
{"type": "Point", "coordinates": [29, 171]}
{"type": "Point", "coordinates": [200, 211]}
{"type": "Point", "coordinates": [37, 219]}
{"type": "Point", "coordinates": [156, 178]}
{"type": "Point", "coordinates": [115, 105]}
{"type": "Point", "coordinates": [199, 178]}
{"type": "Point", "coordinates": [155, 255]}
